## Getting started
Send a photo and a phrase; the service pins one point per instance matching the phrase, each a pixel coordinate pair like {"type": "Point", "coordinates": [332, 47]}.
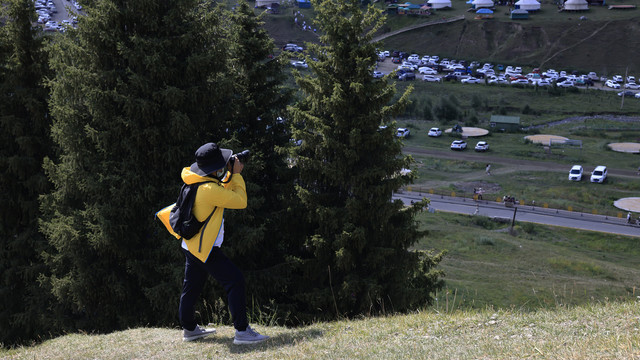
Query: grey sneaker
{"type": "Point", "coordinates": [249, 336]}
{"type": "Point", "coordinates": [197, 333]}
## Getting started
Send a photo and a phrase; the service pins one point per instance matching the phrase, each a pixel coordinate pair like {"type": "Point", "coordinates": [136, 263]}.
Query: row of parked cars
{"type": "Point", "coordinates": [598, 175]}
{"type": "Point", "coordinates": [432, 69]}
{"type": "Point", "coordinates": [45, 9]}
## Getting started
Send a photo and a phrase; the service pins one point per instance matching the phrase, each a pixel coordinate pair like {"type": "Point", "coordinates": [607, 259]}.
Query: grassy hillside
{"type": "Point", "coordinates": [598, 331]}
{"type": "Point", "coordinates": [607, 42]}
{"type": "Point", "coordinates": [539, 267]}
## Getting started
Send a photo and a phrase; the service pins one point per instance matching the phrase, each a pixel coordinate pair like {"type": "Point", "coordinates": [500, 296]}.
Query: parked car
{"type": "Point", "coordinates": [425, 70]}
{"type": "Point", "coordinates": [637, 95]}
{"type": "Point", "coordinates": [519, 81]}
{"type": "Point", "coordinates": [482, 146]}
{"type": "Point", "coordinates": [593, 76]}
{"type": "Point", "coordinates": [617, 78]}
{"type": "Point", "coordinates": [632, 86]}
{"type": "Point", "coordinates": [498, 80]}
{"type": "Point", "coordinates": [378, 74]}
{"type": "Point", "coordinates": [450, 77]}
{"type": "Point", "coordinates": [434, 132]}
{"type": "Point", "coordinates": [471, 80]}
{"type": "Point", "coordinates": [599, 174]}
{"type": "Point", "coordinates": [458, 145]}
{"type": "Point", "coordinates": [299, 64]}
{"type": "Point", "coordinates": [403, 132]}
{"type": "Point", "coordinates": [631, 79]}
{"type": "Point", "coordinates": [612, 84]}
{"type": "Point", "coordinates": [407, 76]}
{"type": "Point", "coordinates": [626, 93]}
{"type": "Point", "coordinates": [542, 82]}
{"type": "Point", "coordinates": [292, 48]}
{"type": "Point", "coordinates": [566, 83]}
{"type": "Point", "coordinates": [575, 174]}
{"type": "Point", "coordinates": [430, 78]}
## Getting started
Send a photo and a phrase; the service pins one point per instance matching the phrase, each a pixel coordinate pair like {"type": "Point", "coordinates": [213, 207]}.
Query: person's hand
{"type": "Point", "coordinates": [237, 166]}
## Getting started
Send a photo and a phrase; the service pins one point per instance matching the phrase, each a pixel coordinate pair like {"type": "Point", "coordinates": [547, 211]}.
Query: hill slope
{"type": "Point", "coordinates": [600, 331]}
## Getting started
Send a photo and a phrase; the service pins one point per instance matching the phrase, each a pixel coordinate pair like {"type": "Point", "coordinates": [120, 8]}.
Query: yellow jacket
{"type": "Point", "coordinates": [232, 195]}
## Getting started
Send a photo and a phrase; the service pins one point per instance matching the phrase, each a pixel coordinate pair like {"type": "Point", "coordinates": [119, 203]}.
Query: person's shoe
{"type": "Point", "coordinates": [197, 333]}
{"type": "Point", "coordinates": [249, 336]}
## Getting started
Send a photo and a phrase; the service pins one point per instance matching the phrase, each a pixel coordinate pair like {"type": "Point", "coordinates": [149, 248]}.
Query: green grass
{"type": "Point", "coordinates": [540, 266]}
{"type": "Point", "coordinates": [607, 330]}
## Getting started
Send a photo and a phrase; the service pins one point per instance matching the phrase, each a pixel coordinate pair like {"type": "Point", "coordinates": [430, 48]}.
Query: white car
{"type": "Point", "coordinates": [434, 132]}
{"type": "Point", "coordinates": [427, 70]}
{"type": "Point", "coordinates": [631, 79]}
{"type": "Point", "coordinates": [599, 174]}
{"type": "Point", "coordinates": [413, 59]}
{"type": "Point", "coordinates": [458, 145]}
{"type": "Point", "coordinates": [637, 95]}
{"type": "Point", "coordinates": [498, 80]}
{"type": "Point", "coordinates": [378, 74]}
{"type": "Point", "coordinates": [567, 83]}
{"type": "Point", "coordinates": [612, 84]}
{"type": "Point", "coordinates": [425, 58]}
{"type": "Point", "coordinates": [543, 82]}
{"type": "Point", "coordinates": [482, 146]}
{"type": "Point", "coordinates": [519, 81]}
{"type": "Point", "coordinates": [402, 132]}
{"type": "Point", "coordinates": [431, 78]}
{"type": "Point", "coordinates": [575, 174]}
{"type": "Point", "coordinates": [617, 78]}
{"type": "Point", "coordinates": [632, 86]}
{"type": "Point", "coordinates": [299, 64]}
{"type": "Point", "coordinates": [471, 80]}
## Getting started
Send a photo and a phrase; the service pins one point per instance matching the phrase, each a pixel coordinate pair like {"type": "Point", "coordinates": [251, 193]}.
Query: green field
{"type": "Point", "coordinates": [539, 267]}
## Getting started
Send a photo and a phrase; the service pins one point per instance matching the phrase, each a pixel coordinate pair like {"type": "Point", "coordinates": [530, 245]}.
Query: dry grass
{"type": "Point", "coordinates": [595, 331]}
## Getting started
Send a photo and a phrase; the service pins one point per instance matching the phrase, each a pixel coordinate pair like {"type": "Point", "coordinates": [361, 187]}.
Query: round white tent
{"type": "Point", "coordinates": [482, 4]}
{"type": "Point", "coordinates": [576, 5]}
{"type": "Point", "coordinates": [529, 5]}
{"type": "Point", "coordinates": [439, 4]}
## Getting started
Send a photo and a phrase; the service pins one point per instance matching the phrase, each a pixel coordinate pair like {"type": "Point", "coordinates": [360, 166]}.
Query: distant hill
{"type": "Point", "coordinates": [607, 42]}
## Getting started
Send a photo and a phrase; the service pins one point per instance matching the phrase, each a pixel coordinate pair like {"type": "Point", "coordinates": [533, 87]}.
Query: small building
{"type": "Point", "coordinates": [576, 5]}
{"type": "Point", "coordinates": [519, 14]}
{"type": "Point", "coordinates": [505, 123]}
{"type": "Point", "coordinates": [440, 4]}
{"type": "Point", "coordinates": [529, 5]}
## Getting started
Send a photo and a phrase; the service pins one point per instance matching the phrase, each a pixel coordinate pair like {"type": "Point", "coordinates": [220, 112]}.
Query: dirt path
{"type": "Point", "coordinates": [510, 165]}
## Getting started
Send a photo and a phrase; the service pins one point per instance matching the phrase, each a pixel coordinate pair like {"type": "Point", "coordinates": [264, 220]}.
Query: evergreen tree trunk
{"type": "Point", "coordinates": [357, 259]}
{"type": "Point", "coordinates": [138, 88]}
{"type": "Point", "coordinates": [25, 307]}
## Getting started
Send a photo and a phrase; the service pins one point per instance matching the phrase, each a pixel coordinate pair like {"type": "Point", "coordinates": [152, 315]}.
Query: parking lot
{"type": "Point", "coordinates": [387, 66]}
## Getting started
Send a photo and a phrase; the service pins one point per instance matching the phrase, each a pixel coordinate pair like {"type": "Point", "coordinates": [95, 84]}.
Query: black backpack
{"type": "Point", "coordinates": [182, 220]}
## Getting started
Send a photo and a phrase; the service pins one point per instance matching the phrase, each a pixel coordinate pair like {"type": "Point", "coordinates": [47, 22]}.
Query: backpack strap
{"type": "Point", "coordinates": [204, 226]}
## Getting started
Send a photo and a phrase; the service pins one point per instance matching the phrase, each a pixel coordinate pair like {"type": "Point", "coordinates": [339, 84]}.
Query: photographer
{"type": "Point", "coordinates": [225, 189]}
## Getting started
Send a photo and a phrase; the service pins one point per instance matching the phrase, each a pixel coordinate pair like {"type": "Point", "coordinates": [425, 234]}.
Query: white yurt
{"type": "Point", "coordinates": [477, 4]}
{"type": "Point", "coordinates": [439, 4]}
{"type": "Point", "coordinates": [261, 3]}
{"type": "Point", "coordinates": [529, 5]}
{"type": "Point", "coordinates": [576, 5]}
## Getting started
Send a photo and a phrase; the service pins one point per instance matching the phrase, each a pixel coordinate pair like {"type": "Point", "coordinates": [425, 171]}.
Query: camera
{"type": "Point", "coordinates": [242, 156]}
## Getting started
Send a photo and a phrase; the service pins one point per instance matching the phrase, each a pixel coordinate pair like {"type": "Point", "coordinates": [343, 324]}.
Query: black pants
{"type": "Point", "coordinates": [225, 272]}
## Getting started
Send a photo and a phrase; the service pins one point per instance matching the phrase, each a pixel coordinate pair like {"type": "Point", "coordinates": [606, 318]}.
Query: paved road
{"type": "Point", "coordinates": [525, 213]}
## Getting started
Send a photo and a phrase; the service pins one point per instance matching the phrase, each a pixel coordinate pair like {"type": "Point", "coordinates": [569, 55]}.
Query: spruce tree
{"type": "Point", "coordinates": [139, 86]}
{"type": "Point", "coordinates": [357, 257]}
{"type": "Point", "coordinates": [258, 237]}
{"type": "Point", "coordinates": [24, 132]}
